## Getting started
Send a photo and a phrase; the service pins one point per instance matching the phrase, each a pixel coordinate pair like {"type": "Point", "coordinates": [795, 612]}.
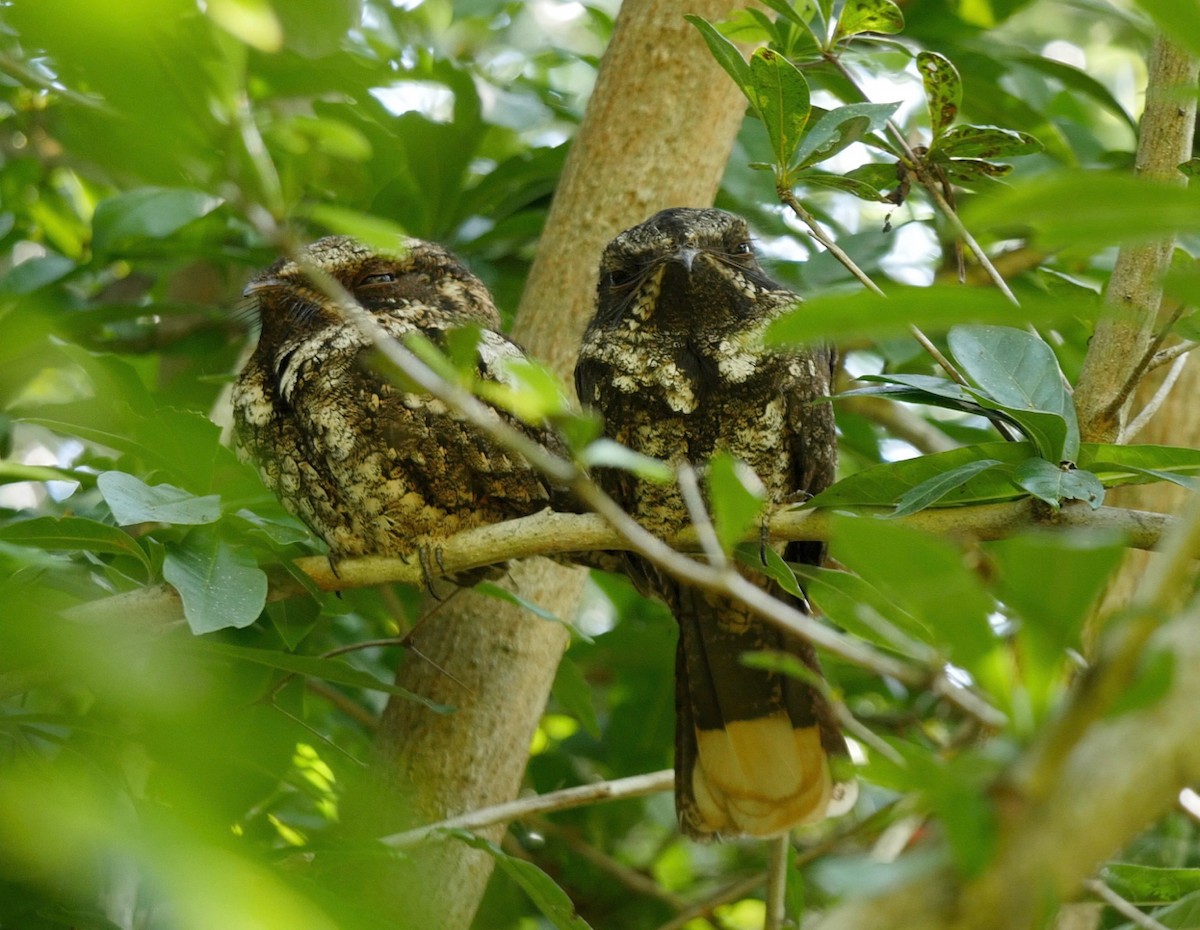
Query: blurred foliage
{"type": "Point", "coordinates": [153, 778]}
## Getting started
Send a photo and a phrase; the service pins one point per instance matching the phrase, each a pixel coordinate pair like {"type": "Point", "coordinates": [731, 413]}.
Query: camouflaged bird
{"type": "Point", "coordinates": [673, 363]}
{"type": "Point", "coordinates": [372, 468]}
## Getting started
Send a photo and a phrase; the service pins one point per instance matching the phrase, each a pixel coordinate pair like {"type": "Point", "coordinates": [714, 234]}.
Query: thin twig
{"type": "Point", "coordinates": [342, 702]}
{"type": "Point", "coordinates": [778, 849]}
{"type": "Point", "coordinates": [1169, 354]}
{"type": "Point", "coordinates": [689, 488]}
{"type": "Point", "coordinates": [1155, 402]}
{"type": "Point", "coordinates": [634, 787]}
{"type": "Point", "coordinates": [1121, 906]}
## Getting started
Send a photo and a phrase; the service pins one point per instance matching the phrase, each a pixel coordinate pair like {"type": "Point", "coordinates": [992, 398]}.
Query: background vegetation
{"type": "Point", "coordinates": [162, 774]}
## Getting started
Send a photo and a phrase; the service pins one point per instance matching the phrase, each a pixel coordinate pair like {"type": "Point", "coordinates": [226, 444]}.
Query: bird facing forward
{"type": "Point", "coordinates": [673, 363]}
{"type": "Point", "coordinates": [373, 468]}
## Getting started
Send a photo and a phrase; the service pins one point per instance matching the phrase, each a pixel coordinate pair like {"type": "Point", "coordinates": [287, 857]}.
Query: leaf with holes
{"type": "Point", "coordinates": [985, 142]}
{"type": "Point", "coordinates": [1054, 483]}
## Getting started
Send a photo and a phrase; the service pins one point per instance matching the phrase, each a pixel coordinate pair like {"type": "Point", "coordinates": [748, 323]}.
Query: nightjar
{"type": "Point", "coordinates": [370, 467]}
{"type": "Point", "coordinates": [673, 363]}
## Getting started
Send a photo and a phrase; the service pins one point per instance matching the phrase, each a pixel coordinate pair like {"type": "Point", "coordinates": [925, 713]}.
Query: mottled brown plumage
{"type": "Point", "coordinates": [673, 362]}
{"type": "Point", "coordinates": [370, 467]}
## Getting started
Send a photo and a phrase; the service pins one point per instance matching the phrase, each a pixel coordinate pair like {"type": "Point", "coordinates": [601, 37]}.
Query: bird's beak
{"type": "Point", "coordinates": [258, 285]}
{"type": "Point", "coordinates": [686, 257]}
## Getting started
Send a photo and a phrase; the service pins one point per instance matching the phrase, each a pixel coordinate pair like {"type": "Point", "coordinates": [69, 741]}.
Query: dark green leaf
{"type": "Point", "coordinates": [923, 575]}
{"type": "Point", "coordinates": [1055, 484]}
{"type": "Point", "coordinates": [943, 90]}
{"type": "Point", "coordinates": [1155, 673]}
{"type": "Point", "coordinates": [882, 485]}
{"type": "Point", "coordinates": [35, 273]}
{"type": "Point", "coordinates": [489, 589]}
{"type": "Point", "coordinates": [333, 670]}
{"type": "Point", "coordinates": [779, 93]}
{"type": "Point", "coordinates": [1145, 884]}
{"type": "Point", "coordinates": [294, 618]}
{"type": "Point", "coordinates": [986, 142]}
{"type": "Point", "coordinates": [847, 317]}
{"type": "Point", "coordinates": [736, 497]}
{"type": "Point", "coordinates": [932, 490]}
{"type": "Point", "coordinates": [783, 663]}
{"type": "Point", "coordinates": [1020, 373]}
{"type": "Point", "coordinates": [847, 185]}
{"type": "Point", "coordinates": [859, 16]}
{"type": "Point", "coordinates": [726, 54]}
{"type": "Point", "coordinates": [74, 534]}
{"type": "Point", "coordinates": [860, 608]}
{"type": "Point", "coordinates": [551, 900]}
{"type": "Point", "coordinates": [147, 213]}
{"type": "Point", "coordinates": [839, 128]}
{"type": "Point", "coordinates": [1081, 82]}
{"type": "Point", "coordinates": [133, 501]}
{"type": "Point", "coordinates": [969, 171]}
{"type": "Point", "coordinates": [1087, 209]}
{"type": "Point", "coordinates": [220, 586]}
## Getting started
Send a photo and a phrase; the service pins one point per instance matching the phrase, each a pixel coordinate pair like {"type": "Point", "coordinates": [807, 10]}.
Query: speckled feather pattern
{"type": "Point", "coordinates": [674, 363]}
{"type": "Point", "coordinates": [370, 467]}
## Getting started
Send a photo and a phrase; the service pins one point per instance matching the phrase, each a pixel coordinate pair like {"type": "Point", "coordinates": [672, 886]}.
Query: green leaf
{"type": "Point", "coordinates": [489, 589]}
{"type": "Point", "coordinates": [371, 230]}
{"type": "Point", "coordinates": [985, 142]}
{"type": "Point", "coordinates": [1020, 372]}
{"type": "Point", "coordinates": [847, 185]}
{"type": "Point", "coordinates": [1179, 19]}
{"type": "Point", "coordinates": [573, 692]}
{"type": "Point", "coordinates": [923, 575]}
{"type": "Point", "coordinates": [533, 391]}
{"type": "Point", "coordinates": [251, 21]}
{"type": "Point", "coordinates": [882, 485]}
{"type": "Point", "coordinates": [779, 92]}
{"type": "Point", "coordinates": [551, 900]}
{"type": "Point", "coordinates": [1055, 483]}
{"type": "Point", "coordinates": [604, 453]}
{"type": "Point", "coordinates": [859, 16]}
{"type": "Point", "coordinates": [1156, 671]}
{"type": "Point", "coordinates": [860, 608]}
{"type": "Point", "coordinates": [969, 171]}
{"type": "Point", "coordinates": [35, 273]}
{"type": "Point", "coordinates": [1087, 209]}
{"type": "Point", "coordinates": [1146, 885]}
{"type": "Point", "coordinates": [736, 496]}
{"type": "Point", "coordinates": [861, 314]}
{"type": "Point", "coordinates": [333, 670]}
{"type": "Point", "coordinates": [133, 501]}
{"type": "Point", "coordinates": [147, 213]}
{"type": "Point", "coordinates": [943, 90]}
{"type": "Point", "coordinates": [783, 663]}
{"type": "Point", "coordinates": [839, 128]}
{"type": "Point", "coordinates": [220, 586]}
{"type": "Point", "coordinates": [725, 52]}
{"type": "Point", "coordinates": [933, 489]}
{"type": "Point", "coordinates": [75, 534]}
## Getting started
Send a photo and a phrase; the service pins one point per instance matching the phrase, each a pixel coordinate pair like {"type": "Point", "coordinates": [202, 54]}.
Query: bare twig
{"type": "Point", "coordinates": [1121, 906]}
{"type": "Point", "coordinates": [689, 488]}
{"type": "Point", "coordinates": [1169, 354]}
{"type": "Point", "coordinates": [634, 787]}
{"type": "Point", "coordinates": [1136, 425]}
{"type": "Point", "coordinates": [778, 849]}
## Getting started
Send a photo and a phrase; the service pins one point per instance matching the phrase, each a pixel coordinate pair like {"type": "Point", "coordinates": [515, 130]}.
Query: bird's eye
{"type": "Point", "coordinates": [383, 277]}
{"type": "Point", "coordinates": [620, 278]}
{"type": "Point", "coordinates": [743, 248]}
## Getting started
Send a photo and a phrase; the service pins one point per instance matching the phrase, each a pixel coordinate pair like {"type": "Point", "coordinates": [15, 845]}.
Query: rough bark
{"type": "Point", "coordinates": [658, 131]}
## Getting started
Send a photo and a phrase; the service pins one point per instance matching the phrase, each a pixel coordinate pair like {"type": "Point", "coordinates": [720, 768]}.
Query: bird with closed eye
{"type": "Point", "coordinates": [372, 467]}
{"type": "Point", "coordinates": [673, 362]}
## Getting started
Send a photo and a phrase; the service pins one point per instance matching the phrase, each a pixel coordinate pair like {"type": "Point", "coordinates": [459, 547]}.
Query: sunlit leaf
{"type": "Point", "coordinates": [375, 231]}
{"type": "Point", "coordinates": [252, 21]}
{"type": "Point", "coordinates": [1146, 884]}
{"type": "Point", "coordinates": [604, 453]}
{"type": "Point", "coordinates": [1179, 19]}
{"type": "Point", "coordinates": [859, 16]}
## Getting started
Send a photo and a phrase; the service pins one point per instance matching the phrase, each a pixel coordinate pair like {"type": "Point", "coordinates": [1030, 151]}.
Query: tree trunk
{"type": "Point", "coordinates": [658, 131]}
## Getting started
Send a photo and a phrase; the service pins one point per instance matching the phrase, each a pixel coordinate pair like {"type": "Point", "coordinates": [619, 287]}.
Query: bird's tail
{"type": "Point", "coordinates": [752, 747]}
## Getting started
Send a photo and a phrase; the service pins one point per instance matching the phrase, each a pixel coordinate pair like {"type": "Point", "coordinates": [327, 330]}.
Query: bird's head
{"type": "Point", "coordinates": [416, 280]}
{"type": "Point", "coordinates": [682, 269]}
